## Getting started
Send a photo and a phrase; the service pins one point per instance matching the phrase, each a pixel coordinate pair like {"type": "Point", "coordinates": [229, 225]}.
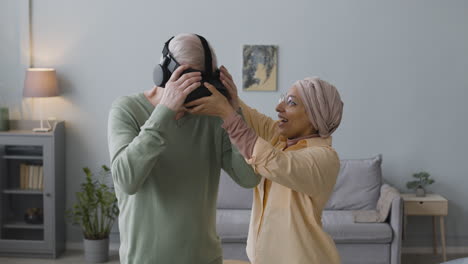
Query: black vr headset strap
{"type": "Point", "coordinates": [166, 47]}
{"type": "Point", "coordinates": [169, 61]}
{"type": "Point", "coordinates": [208, 59]}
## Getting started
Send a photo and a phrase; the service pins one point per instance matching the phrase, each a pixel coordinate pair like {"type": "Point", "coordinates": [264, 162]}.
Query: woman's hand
{"type": "Point", "coordinates": [214, 105]}
{"type": "Point", "coordinates": [227, 81]}
{"type": "Point", "coordinates": [178, 87]}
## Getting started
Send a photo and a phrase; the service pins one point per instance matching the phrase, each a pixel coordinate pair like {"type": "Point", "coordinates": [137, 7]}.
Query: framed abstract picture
{"type": "Point", "coordinates": [259, 67]}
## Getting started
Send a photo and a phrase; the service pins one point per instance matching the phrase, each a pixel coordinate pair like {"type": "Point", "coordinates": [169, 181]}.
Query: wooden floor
{"type": "Point", "coordinates": [69, 257]}
{"type": "Point", "coordinates": [76, 257]}
{"type": "Point", "coordinates": [428, 258]}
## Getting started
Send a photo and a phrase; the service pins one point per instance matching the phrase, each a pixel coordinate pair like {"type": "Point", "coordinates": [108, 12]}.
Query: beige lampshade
{"type": "Point", "coordinates": [40, 82]}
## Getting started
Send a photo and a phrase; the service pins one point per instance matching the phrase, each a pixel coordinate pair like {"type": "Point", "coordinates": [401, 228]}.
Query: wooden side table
{"type": "Point", "coordinates": [431, 205]}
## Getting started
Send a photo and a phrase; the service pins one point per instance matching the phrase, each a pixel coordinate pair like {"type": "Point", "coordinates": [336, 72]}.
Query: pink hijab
{"type": "Point", "coordinates": [323, 104]}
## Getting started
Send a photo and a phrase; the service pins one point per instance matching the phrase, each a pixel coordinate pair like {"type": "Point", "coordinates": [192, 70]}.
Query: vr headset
{"type": "Point", "coordinates": [162, 72]}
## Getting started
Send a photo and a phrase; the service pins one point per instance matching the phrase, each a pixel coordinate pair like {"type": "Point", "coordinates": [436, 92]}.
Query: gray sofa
{"type": "Point", "coordinates": [358, 187]}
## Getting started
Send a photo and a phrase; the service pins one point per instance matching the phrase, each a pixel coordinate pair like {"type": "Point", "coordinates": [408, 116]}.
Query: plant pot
{"type": "Point", "coordinates": [96, 251]}
{"type": "Point", "coordinates": [420, 192]}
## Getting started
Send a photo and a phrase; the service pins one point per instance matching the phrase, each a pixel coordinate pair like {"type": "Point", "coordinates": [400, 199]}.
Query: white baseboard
{"type": "Point", "coordinates": [429, 250]}
{"type": "Point", "coordinates": [79, 246]}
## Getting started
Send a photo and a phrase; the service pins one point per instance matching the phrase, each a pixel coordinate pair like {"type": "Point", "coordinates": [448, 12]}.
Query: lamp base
{"type": "Point", "coordinates": [44, 129]}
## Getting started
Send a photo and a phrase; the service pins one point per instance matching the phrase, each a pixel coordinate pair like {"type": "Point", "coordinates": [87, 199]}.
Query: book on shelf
{"type": "Point", "coordinates": [31, 177]}
{"type": "Point", "coordinates": [36, 177]}
{"type": "Point", "coordinates": [41, 178]}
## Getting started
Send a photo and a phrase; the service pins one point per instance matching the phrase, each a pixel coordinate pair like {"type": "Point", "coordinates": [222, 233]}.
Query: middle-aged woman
{"type": "Point", "coordinates": [297, 163]}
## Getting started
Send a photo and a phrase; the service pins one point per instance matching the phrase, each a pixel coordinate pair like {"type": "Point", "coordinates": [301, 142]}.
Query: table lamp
{"type": "Point", "coordinates": [40, 82]}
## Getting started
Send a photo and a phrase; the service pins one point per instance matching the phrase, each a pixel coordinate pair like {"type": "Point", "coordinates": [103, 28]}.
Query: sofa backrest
{"type": "Point", "coordinates": [358, 185]}
{"type": "Point", "coordinates": [231, 195]}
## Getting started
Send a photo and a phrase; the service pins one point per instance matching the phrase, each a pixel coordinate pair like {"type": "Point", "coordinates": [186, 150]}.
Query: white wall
{"type": "Point", "coordinates": [9, 52]}
{"type": "Point", "coordinates": [14, 56]}
{"type": "Point", "coordinates": [401, 67]}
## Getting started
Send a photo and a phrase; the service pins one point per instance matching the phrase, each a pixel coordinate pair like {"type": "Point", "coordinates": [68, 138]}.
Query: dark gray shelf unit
{"type": "Point", "coordinates": [21, 145]}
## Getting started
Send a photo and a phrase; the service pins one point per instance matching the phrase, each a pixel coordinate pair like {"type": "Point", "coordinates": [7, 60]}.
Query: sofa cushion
{"type": "Point", "coordinates": [358, 185]}
{"type": "Point", "coordinates": [341, 227]}
{"type": "Point", "coordinates": [232, 225]}
{"type": "Point", "coordinates": [231, 195]}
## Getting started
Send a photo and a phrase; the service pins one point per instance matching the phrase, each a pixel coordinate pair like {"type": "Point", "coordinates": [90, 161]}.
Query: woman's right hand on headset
{"type": "Point", "coordinates": [227, 81]}
{"type": "Point", "coordinates": [179, 86]}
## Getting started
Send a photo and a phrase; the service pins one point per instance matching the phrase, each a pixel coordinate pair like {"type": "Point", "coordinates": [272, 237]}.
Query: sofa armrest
{"type": "Point", "coordinates": [396, 222]}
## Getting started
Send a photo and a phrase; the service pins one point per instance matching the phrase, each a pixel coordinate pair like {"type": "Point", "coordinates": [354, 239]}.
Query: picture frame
{"type": "Point", "coordinates": [259, 67]}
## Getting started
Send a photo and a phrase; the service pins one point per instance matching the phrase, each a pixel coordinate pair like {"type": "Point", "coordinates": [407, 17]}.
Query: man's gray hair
{"type": "Point", "coordinates": [188, 49]}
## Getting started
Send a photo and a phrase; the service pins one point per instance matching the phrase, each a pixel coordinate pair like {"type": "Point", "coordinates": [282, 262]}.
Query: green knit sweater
{"type": "Point", "coordinates": [166, 176]}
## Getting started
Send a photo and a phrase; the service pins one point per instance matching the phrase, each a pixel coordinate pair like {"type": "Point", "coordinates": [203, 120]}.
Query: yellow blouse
{"type": "Point", "coordinates": [285, 226]}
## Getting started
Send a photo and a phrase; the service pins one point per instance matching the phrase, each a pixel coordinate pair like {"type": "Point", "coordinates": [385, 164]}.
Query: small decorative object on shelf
{"type": "Point", "coordinates": [95, 211]}
{"type": "Point", "coordinates": [419, 184]}
{"type": "Point", "coordinates": [33, 216]}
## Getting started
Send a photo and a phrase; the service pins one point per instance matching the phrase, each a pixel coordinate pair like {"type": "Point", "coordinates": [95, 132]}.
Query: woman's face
{"type": "Point", "coordinates": [294, 122]}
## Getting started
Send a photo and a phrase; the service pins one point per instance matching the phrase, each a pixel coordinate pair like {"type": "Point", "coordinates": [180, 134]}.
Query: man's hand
{"type": "Point", "coordinates": [227, 81]}
{"type": "Point", "coordinates": [178, 87]}
{"type": "Point", "coordinates": [214, 105]}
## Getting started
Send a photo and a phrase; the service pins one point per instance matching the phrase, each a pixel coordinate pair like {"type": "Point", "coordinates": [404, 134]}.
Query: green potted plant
{"type": "Point", "coordinates": [95, 211]}
{"type": "Point", "coordinates": [422, 179]}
